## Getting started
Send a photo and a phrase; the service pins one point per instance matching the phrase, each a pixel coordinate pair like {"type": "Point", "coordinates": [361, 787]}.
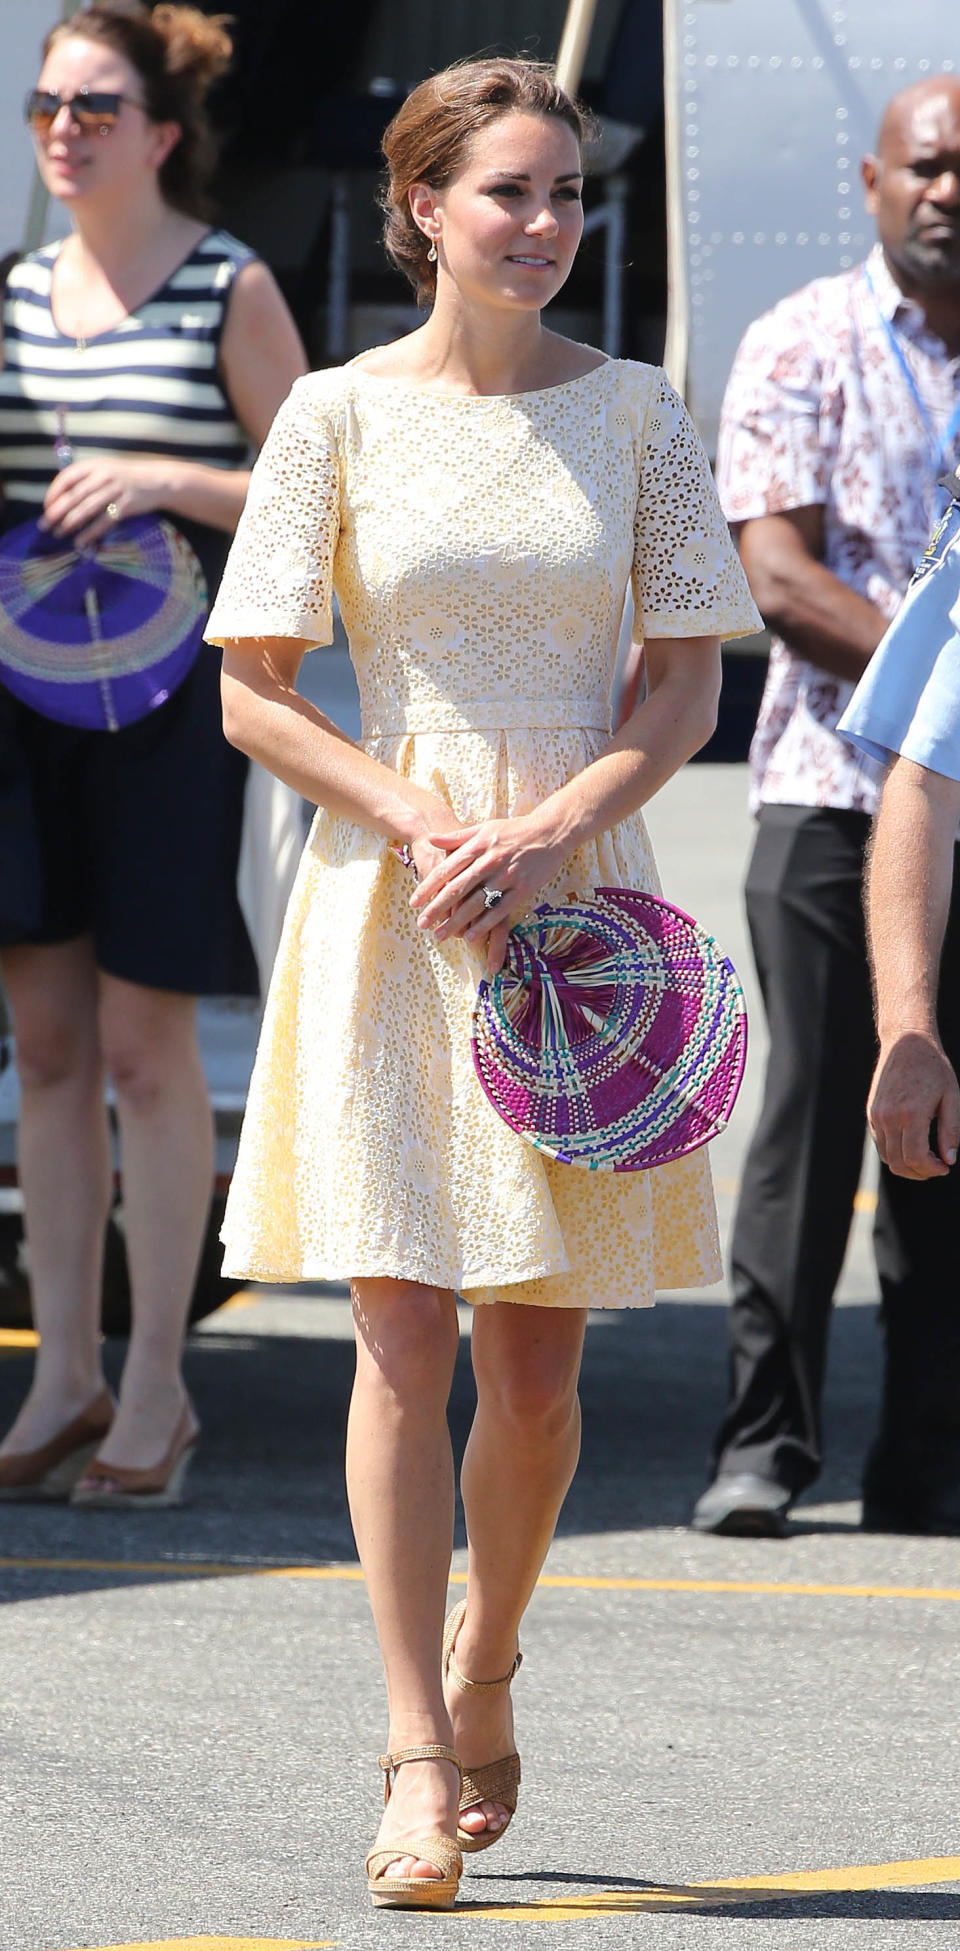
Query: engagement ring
{"type": "Point", "coordinates": [113, 511]}
{"type": "Point", "coordinates": [491, 895]}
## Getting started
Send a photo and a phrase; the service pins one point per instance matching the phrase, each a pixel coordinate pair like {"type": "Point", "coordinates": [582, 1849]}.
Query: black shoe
{"type": "Point", "coordinates": [744, 1506]}
{"type": "Point", "coordinates": [915, 1514]}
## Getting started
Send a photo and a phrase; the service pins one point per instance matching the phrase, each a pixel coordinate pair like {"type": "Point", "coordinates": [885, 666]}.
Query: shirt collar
{"type": "Point", "coordinates": [893, 302]}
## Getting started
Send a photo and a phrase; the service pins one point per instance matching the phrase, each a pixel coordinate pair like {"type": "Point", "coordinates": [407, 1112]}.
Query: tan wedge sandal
{"type": "Point", "coordinates": [496, 1781]}
{"type": "Point", "coordinates": [415, 1892]}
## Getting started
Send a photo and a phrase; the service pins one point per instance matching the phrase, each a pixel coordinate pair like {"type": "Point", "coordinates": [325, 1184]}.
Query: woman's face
{"type": "Point", "coordinates": [73, 165]}
{"type": "Point", "coordinates": [507, 226]}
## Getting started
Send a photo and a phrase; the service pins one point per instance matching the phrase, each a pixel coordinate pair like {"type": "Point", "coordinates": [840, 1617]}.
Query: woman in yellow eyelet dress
{"type": "Point", "coordinates": [478, 497]}
{"type": "Point", "coordinates": [479, 548]}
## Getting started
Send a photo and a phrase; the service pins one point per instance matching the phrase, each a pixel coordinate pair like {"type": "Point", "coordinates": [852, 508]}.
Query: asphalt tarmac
{"type": "Point", "coordinates": [725, 1744]}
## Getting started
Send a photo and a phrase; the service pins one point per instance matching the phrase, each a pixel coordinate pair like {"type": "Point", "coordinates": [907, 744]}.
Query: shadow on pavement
{"type": "Point", "coordinates": [267, 1488]}
{"type": "Point", "coordinates": [711, 1900]}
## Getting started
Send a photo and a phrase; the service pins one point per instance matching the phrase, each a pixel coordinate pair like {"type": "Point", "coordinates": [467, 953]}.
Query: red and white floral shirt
{"type": "Point", "coordinates": [819, 410]}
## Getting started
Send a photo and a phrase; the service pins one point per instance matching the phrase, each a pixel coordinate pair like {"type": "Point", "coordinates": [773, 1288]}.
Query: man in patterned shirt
{"type": "Point", "coordinates": [842, 410]}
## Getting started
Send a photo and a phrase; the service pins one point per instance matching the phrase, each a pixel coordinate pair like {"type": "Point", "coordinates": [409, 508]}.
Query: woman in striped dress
{"type": "Point", "coordinates": [160, 349]}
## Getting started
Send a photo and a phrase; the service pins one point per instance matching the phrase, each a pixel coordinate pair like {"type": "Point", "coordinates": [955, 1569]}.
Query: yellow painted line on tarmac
{"type": "Point", "coordinates": [181, 1568]}
{"type": "Point", "coordinates": [14, 1338]}
{"type": "Point", "coordinates": [757, 1588]}
{"type": "Point", "coordinates": [221, 1944]}
{"type": "Point", "coordinates": [244, 1297]}
{"type": "Point", "coordinates": [910, 1874]}
{"type": "Point", "coordinates": [17, 1338]}
{"type": "Point", "coordinates": [558, 1581]}
{"type": "Point", "coordinates": [907, 1874]}
{"type": "Point", "coordinates": [865, 1200]}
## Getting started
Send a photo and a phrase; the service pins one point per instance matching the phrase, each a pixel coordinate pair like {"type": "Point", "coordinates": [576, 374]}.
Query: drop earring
{"type": "Point", "coordinates": [432, 253]}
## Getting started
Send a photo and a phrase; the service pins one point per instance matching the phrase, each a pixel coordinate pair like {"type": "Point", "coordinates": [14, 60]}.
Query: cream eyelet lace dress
{"type": "Point", "coordinates": [480, 549]}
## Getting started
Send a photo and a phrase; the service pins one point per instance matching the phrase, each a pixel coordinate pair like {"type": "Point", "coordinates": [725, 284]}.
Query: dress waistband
{"type": "Point", "coordinates": [583, 714]}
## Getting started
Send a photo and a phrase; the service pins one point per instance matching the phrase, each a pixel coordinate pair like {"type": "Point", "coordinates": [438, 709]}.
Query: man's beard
{"type": "Point", "coordinates": [931, 260]}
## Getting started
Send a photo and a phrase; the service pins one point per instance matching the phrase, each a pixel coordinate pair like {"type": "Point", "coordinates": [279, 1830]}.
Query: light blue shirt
{"type": "Point", "coordinates": [908, 699]}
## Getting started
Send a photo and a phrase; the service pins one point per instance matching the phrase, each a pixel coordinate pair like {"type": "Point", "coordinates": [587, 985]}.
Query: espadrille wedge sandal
{"type": "Point", "coordinates": [415, 1892]}
{"type": "Point", "coordinates": [496, 1781]}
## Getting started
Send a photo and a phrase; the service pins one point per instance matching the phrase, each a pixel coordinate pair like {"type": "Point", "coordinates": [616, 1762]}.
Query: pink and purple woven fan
{"type": "Point", "coordinates": [99, 637]}
{"type": "Point", "coordinates": [615, 1034]}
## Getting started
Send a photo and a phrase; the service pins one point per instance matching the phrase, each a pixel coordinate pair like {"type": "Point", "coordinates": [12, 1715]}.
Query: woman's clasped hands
{"type": "Point", "coordinates": [85, 500]}
{"type": "Point", "coordinates": [513, 858]}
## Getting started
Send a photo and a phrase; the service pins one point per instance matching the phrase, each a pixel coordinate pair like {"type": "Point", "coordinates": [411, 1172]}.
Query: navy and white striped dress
{"type": "Point", "coordinates": [149, 385]}
{"type": "Point", "coordinates": [132, 836]}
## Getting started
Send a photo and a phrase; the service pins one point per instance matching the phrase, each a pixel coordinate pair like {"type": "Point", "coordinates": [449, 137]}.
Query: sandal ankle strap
{"type": "Point", "coordinates": [482, 1686]}
{"type": "Point", "coordinates": [450, 1632]}
{"type": "Point", "coordinates": [431, 1751]}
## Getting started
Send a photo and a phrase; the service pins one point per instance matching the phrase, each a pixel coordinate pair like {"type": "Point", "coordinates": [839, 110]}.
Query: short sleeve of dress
{"type": "Point", "coordinates": [771, 453]}
{"type": "Point", "coordinates": [278, 581]}
{"type": "Point", "coordinates": [687, 578]}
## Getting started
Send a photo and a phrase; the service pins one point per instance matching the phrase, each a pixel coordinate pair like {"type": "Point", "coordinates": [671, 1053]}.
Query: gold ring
{"type": "Point", "coordinates": [113, 511]}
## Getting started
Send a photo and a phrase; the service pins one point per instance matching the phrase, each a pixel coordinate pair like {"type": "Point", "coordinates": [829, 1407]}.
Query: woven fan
{"type": "Point", "coordinates": [99, 637]}
{"type": "Point", "coordinates": [614, 1036]}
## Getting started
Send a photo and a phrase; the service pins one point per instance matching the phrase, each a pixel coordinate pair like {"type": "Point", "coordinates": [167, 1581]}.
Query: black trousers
{"type": "Point", "coordinates": [804, 909]}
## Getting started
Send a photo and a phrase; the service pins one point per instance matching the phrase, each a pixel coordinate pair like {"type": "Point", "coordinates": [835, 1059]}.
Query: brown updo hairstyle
{"type": "Point", "coordinates": [177, 52]}
{"type": "Point", "coordinates": [430, 136]}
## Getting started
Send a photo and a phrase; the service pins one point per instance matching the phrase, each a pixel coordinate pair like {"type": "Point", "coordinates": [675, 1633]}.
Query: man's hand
{"type": "Point", "coordinates": [914, 1088]}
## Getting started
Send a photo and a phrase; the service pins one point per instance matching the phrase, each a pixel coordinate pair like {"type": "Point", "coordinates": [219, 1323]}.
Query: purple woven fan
{"type": "Point", "coordinates": [99, 637]}
{"type": "Point", "coordinates": [615, 1034]}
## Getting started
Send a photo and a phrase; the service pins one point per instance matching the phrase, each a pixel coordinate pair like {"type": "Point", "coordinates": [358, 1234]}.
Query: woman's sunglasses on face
{"type": "Point", "coordinates": [93, 113]}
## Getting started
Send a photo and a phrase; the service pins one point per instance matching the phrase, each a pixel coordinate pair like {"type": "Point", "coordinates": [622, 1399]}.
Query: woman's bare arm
{"type": "Point", "coordinates": [631, 684]}
{"type": "Point", "coordinates": [265, 716]}
{"type": "Point", "coordinates": [676, 717]}
{"type": "Point", "coordinates": [908, 898]}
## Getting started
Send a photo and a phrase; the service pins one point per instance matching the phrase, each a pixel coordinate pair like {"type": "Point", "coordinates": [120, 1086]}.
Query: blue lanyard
{"type": "Point", "coordinates": [940, 449]}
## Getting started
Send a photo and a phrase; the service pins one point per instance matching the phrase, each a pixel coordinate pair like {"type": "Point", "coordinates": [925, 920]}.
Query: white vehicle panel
{"type": "Point", "coordinates": [771, 105]}
{"type": "Point", "coordinates": [23, 25]}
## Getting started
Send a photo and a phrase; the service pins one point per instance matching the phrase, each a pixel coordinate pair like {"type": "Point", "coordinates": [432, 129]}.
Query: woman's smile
{"type": "Point", "coordinates": [513, 206]}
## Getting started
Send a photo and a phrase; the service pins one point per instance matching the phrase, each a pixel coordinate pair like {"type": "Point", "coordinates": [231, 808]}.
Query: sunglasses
{"type": "Point", "coordinates": [93, 113]}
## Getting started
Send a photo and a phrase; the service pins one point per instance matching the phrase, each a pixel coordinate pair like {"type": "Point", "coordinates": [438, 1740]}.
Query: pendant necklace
{"type": "Point", "coordinates": [79, 337]}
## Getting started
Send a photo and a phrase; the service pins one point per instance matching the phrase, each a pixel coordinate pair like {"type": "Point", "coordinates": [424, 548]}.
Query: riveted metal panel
{"type": "Point", "coordinates": [770, 105]}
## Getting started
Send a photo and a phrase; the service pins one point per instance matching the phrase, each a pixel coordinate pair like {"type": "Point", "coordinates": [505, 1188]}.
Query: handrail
{"type": "Point", "coordinates": [574, 41]}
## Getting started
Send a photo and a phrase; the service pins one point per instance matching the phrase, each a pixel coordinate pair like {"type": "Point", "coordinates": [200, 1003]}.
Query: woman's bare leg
{"type": "Point", "coordinates": [65, 1176]}
{"type": "Point", "coordinates": [517, 1469]}
{"type": "Point", "coordinates": [149, 1042]}
{"type": "Point", "coordinates": [400, 1487]}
